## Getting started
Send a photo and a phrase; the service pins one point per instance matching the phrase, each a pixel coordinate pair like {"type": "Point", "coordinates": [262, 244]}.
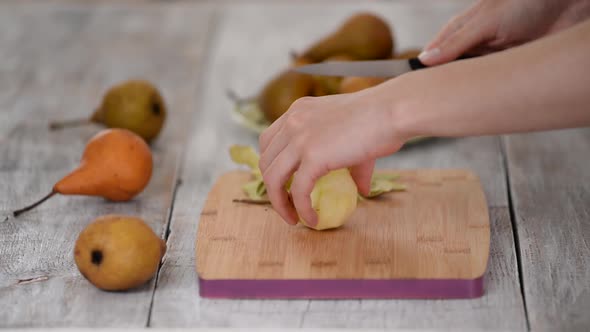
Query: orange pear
{"type": "Point", "coordinates": [116, 165]}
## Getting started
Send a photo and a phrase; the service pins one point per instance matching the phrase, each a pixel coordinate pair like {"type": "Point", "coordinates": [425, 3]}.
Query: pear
{"type": "Point", "coordinates": [334, 198]}
{"type": "Point", "coordinates": [353, 84]}
{"type": "Point", "coordinates": [363, 36]}
{"type": "Point", "coordinates": [279, 93]}
{"type": "Point", "coordinates": [117, 252]}
{"type": "Point", "coordinates": [116, 165]}
{"type": "Point", "coordinates": [136, 105]}
{"type": "Point", "coordinates": [408, 54]}
{"type": "Point", "coordinates": [329, 85]}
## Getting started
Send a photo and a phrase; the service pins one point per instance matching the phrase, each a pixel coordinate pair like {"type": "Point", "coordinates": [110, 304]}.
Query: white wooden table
{"type": "Point", "coordinates": [57, 59]}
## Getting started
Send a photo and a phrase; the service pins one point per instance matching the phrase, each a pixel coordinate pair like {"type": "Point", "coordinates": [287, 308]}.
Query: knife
{"type": "Point", "coordinates": [367, 68]}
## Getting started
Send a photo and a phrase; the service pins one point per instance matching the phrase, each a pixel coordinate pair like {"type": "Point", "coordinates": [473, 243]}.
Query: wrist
{"type": "Point", "coordinates": [403, 107]}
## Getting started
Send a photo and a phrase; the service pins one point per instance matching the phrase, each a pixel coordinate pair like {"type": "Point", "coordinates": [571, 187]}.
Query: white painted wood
{"type": "Point", "coordinates": [61, 59]}
{"type": "Point", "coordinates": [251, 44]}
{"type": "Point", "coordinates": [550, 185]}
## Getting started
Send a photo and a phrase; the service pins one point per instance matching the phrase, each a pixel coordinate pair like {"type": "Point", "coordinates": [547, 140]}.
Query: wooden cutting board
{"type": "Point", "coordinates": [431, 241]}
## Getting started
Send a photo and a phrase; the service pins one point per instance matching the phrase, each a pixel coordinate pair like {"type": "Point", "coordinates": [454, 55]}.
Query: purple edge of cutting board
{"type": "Point", "coordinates": [343, 288]}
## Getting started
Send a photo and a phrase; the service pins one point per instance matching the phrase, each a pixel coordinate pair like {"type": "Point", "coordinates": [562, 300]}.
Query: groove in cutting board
{"type": "Point", "coordinates": [431, 241]}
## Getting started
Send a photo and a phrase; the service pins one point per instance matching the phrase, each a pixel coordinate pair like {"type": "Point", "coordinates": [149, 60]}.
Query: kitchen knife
{"type": "Point", "coordinates": [368, 68]}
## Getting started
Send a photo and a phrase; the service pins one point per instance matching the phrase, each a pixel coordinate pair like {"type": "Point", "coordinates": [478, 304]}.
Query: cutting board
{"type": "Point", "coordinates": [431, 241]}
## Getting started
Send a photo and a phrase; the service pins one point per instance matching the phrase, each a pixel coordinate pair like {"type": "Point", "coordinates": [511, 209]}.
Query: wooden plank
{"type": "Point", "coordinates": [550, 186]}
{"type": "Point", "coordinates": [251, 44]}
{"type": "Point", "coordinates": [69, 55]}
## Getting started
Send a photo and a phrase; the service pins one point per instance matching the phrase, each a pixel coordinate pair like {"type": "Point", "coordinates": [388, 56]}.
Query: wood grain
{"type": "Point", "coordinates": [550, 186]}
{"type": "Point", "coordinates": [235, 63]}
{"type": "Point", "coordinates": [57, 61]}
{"type": "Point", "coordinates": [437, 229]}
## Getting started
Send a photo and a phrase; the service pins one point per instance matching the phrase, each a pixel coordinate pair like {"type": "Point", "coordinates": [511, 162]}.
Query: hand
{"type": "Point", "coordinates": [492, 25]}
{"type": "Point", "coordinates": [320, 134]}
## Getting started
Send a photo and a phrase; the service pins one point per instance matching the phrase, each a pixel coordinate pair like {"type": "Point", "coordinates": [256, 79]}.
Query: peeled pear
{"type": "Point", "coordinates": [354, 84]}
{"type": "Point", "coordinates": [363, 36]}
{"type": "Point", "coordinates": [116, 165]}
{"type": "Point", "coordinates": [334, 195]}
{"type": "Point", "coordinates": [136, 105]}
{"type": "Point", "coordinates": [334, 198]}
{"type": "Point", "coordinates": [117, 252]}
{"type": "Point", "coordinates": [280, 92]}
{"type": "Point", "coordinates": [329, 85]}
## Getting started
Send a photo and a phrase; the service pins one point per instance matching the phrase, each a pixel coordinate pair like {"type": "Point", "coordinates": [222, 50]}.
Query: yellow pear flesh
{"type": "Point", "coordinates": [334, 198]}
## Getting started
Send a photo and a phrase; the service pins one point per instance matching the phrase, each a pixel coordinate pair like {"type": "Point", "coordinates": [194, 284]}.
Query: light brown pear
{"type": "Point", "coordinates": [363, 36]}
{"type": "Point", "coordinates": [280, 92]}
{"type": "Point", "coordinates": [329, 85]}
{"type": "Point", "coordinates": [407, 54]}
{"type": "Point", "coordinates": [136, 105]}
{"type": "Point", "coordinates": [117, 252]}
{"type": "Point", "coordinates": [354, 84]}
{"type": "Point", "coordinates": [116, 165]}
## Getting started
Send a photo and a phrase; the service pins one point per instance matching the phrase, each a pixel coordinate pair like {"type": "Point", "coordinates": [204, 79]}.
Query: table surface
{"type": "Point", "coordinates": [56, 60]}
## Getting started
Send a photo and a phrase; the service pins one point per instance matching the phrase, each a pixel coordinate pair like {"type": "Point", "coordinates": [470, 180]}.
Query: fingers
{"type": "Point", "coordinates": [275, 177]}
{"type": "Point", "coordinates": [276, 145]}
{"type": "Point", "coordinates": [451, 27]}
{"type": "Point", "coordinates": [362, 176]}
{"type": "Point", "coordinates": [265, 138]}
{"type": "Point", "coordinates": [454, 46]}
{"type": "Point", "coordinates": [436, 52]}
{"type": "Point", "coordinates": [301, 188]}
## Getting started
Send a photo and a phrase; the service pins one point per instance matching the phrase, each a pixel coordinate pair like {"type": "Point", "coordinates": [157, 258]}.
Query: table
{"type": "Point", "coordinates": [56, 60]}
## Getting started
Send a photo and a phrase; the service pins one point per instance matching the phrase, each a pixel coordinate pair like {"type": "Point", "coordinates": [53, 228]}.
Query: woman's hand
{"type": "Point", "coordinates": [492, 25]}
{"type": "Point", "coordinates": [320, 134]}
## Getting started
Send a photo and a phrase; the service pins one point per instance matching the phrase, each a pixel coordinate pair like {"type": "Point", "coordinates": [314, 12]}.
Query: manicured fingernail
{"type": "Point", "coordinates": [429, 54]}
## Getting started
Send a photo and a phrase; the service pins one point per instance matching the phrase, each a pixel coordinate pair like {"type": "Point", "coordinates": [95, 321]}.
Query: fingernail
{"type": "Point", "coordinates": [429, 54]}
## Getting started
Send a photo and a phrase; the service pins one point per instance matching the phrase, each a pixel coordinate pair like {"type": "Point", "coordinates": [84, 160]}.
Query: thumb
{"type": "Point", "coordinates": [455, 45]}
{"type": "Point", "coordinates": [362, 174]}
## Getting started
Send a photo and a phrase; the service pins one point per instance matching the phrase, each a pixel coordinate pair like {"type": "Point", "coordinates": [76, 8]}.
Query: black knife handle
{"type": "Point", "coordinates": [416, 64]}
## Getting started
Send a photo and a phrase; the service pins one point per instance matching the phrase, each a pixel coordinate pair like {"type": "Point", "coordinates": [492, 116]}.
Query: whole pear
{"type": "Point", "coordinates": [117, 252]}
{"type": "Point", "coordinates": [407, 54]}
{"type": "Point", "coordinates": [363, 36]}
{"type": "Point", "coordinates": [353, 84]}
{"type": "Point", "coordinates": [135, 105]}
{"type": "Point", "coordinates": [279, 93]}
{"type": "Point", "coordinates": [116, 164]}
{"type": "Point", "coordinates": [328, 85]}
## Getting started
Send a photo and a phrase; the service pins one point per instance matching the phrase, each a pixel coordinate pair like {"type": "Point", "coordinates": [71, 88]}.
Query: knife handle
{"type": "Point", "coordinates": [416, 64]}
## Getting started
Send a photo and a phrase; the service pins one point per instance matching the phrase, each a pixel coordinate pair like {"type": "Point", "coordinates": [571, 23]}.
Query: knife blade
{"type": "Point", "coordinates": [367, 68]}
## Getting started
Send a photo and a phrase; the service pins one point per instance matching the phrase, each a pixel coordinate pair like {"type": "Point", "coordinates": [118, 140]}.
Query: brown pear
{"type": "Point", "coordinates": [329, 85]}
{"type": "Point", "coordinates": [117, 252]}
{"type": "Point", "coordinates": [363, 36]}
{"type": "Point", "coordinates": [408, 54]}
{"type": "Point", "coordinates": [280, 92]}
{"type": "Point", "coordinates": [136, 105]}
{"type": "Point", "coordinates": [354, 84]}
{"type": "Point", "coordinates": [116, 165]}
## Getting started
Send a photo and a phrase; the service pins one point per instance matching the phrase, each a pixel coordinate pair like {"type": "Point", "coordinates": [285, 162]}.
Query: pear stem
{"type": "Point", "coordinates": [237, 99]}
{"type": "Point", "coordinates": [69, 123]}
{"type": "Point", "coordinates": [32, 206]}
{"type": "Point", "coordinates": [251, 201]}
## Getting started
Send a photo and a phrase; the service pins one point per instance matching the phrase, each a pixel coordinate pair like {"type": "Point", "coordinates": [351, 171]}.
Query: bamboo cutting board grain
{"type": "Point", "coordinates": [431, 241]}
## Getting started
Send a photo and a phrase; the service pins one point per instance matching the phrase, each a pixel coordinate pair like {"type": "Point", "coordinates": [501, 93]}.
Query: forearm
{"type": "Point", "coordinates": [538, 86]}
